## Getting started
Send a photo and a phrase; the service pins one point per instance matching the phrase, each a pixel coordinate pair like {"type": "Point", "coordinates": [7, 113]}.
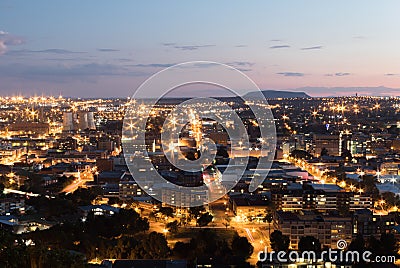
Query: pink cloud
{"type": "Point", "coordinates": [7, 39]}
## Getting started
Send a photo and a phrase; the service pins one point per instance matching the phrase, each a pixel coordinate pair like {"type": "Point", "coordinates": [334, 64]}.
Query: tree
{"type": "Point", "coordinates": [269, 218]}
{"type": "Point", "coordinates": [1, 189]}
{"type": "Point", "coordinates": [58, 258]}
{"type": "Point", "coordinates": [300, 154]}
{"type": "Point", "coordinates": [204, 219]}
{"type": "Point", "coordinates": [173, 226]}
{"type": "Point", "coordinates": [324, 152]}
{"type": "Point", "coordinates": [346, 154]}
{"type": "Point", "coordinates": [83, 196]}
{"type": "Point", "coordinates": [207, 245]}
{"type": "Point", "coordinates": [130, 222]}
{"type": "Point", "coordinates": [155, 246]}
{"type": "Point", "coordinates": [390, 198]}
{"type": "Point", "coordinates": [54, 207]}
{"type": "Point", "coordinates": [389, 244]}
{"type": "Point", "coordinates": [204, 244]}
{"type": "Point", "coordinates": [309, 243]}
{"type": "Point", "coordinates": [241, 247]}
{"type": "Point", "coordinates": [358, 244]}
{"type": "Point", "coordinates": [374, 245]}
{"type": "Point", "coordinates": [279, 242]}
{"type": "Point", "coordinates": [167, 211]}
{"type": "Point", "coordinates": [195, 211]}
{"type": "Point", "coordinates": [182, 250]}
{"type": "Point", "coordinates": [224, 254]}
{"type": "Point", "coordinates": [370, 185]}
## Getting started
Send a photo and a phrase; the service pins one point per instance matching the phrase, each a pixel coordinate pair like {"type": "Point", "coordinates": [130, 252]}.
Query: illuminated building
{"type": "Point", "coordinates": [245, 207]}
{"type": "Point", "coordinates": [12, 205]}
{"type": "Point", "coordinates": [183, 198]}
{"type": "Point", "coordinates": [78, 121]}
{"type": "Point", "coordinates": [68, 121]}
{"type": "Point", "coordinates": [328, 229]}
{"type": "Point", "coordinates": [30, 127]}
{"type": "Point", "coordinates": [328, 142]}
{"type": "Point", "coordinates": [319, 197]}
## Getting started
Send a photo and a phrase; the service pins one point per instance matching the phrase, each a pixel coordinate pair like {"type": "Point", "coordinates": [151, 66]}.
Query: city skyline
{"type": "Point", "coordinates": [103, 50]}
{"type": "Point", "coordinates": [189, 134]}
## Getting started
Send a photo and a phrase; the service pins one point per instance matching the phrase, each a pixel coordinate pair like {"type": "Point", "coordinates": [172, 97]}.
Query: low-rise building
{"type": "Point", "coordinates": [110, 176]}
{"type": "Point", "coordinates": [247, 206]}
{"type": "Point", "coordinates": [129, 189]}
{"type": "Point", "coordinates": [390, 168]}
{"type": "Point", "coordinates": [99, 210]}
{"type": "Point", "coordinates": [319, 197]}
{"type": "Point", "coordinates": [328, 229]}
{"type": "Point", "coordinates": [11, 205]}
{"type": "Point", "coordinates": [172, 196]}
{"type": "Point", "coordinates": [17, 226]}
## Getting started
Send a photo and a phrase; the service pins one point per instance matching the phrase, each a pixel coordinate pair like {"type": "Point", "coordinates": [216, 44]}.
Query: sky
{"type": "Point", "coordinates": [98, 48]}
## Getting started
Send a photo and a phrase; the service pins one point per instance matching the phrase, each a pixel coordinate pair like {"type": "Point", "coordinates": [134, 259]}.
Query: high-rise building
{"type": "Point", "coordinates": [78, 121]}
{"type": "Point", "coordinates": [82, 120]}
{"type": "Point", "coordinates": [90, 120]}
{"type": "Point", "coordinates": [68, 121]}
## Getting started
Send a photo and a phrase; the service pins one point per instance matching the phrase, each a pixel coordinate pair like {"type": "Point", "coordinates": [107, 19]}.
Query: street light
{"type": "Point", "coordinates": [165, 231]}
{"type": "Point", "coordinates": [352, 187]}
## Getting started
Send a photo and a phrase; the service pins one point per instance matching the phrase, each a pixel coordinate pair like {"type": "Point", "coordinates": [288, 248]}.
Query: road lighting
{"type": "Point", "coordinates": [352, 187]}
{"type": "Point", "coordinates": [165, 232]}
{"type": "Point", "coordinates": [378, 174]}
{"type": "Point", "coordinates": [381, 203]}
{"type": "Point", "coordinates": [314, 113]}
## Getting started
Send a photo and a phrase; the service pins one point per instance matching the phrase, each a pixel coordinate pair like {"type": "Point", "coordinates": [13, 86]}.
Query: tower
{"type": "Point", "coordinates": [68, 122]}
{"type": "Point", "coordinates": [83, 120]}
{"type": "Point", "coordinates": [90, 120]}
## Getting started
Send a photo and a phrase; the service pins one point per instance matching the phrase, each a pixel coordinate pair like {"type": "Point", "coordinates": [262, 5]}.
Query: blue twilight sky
{"type": "Point", "coordinates": [107, 48]}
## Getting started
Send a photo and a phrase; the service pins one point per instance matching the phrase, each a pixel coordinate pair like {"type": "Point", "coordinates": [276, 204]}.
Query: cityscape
{"type": "Point", "coordinates": [67, 188]}
{"type": "Point", "coordinates": [163, 134]}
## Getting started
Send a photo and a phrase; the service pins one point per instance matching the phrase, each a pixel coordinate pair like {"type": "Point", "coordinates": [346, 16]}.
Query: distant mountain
{"type": "Point", "coordinates": [307, 92]}
{"type": "Point", "coordinates": [274, 94]}
{"type": "Point", "coordinates": [349, 91]}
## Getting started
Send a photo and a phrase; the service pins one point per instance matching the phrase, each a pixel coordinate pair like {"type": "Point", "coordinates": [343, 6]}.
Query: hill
{"type": "Point", "coordinates": [275, 94]}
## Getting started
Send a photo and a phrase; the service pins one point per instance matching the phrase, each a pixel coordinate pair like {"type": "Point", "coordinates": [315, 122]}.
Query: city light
{"type": "Point", "coordinates": [117, 150]}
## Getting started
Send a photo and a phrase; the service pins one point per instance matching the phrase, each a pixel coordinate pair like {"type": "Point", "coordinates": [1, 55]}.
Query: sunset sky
{"type": "Point", "coordinates": [107, 48]}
